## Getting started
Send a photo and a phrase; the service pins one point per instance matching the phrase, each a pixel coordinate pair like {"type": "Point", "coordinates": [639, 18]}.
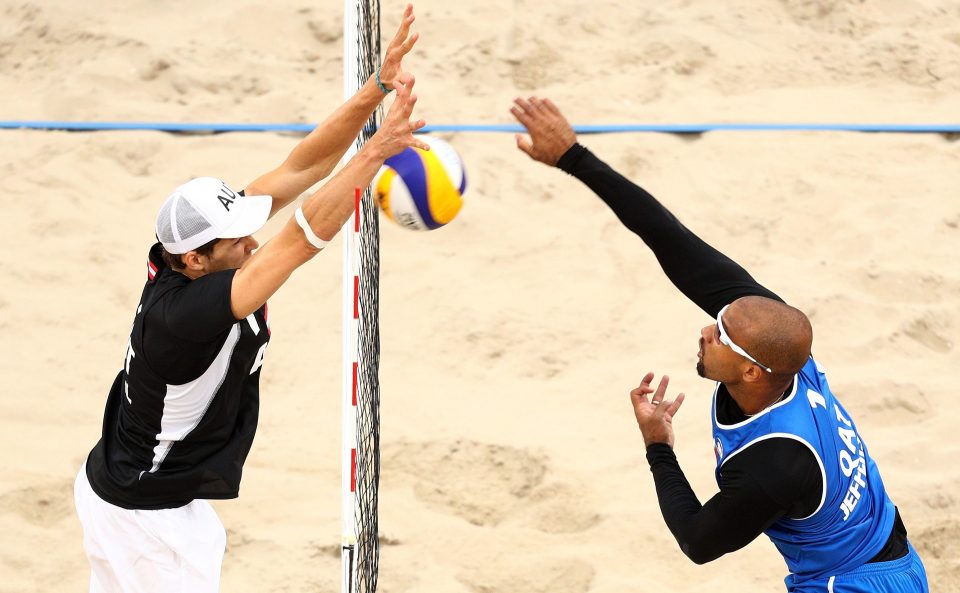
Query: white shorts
{"type": "Point", "coordinates": [133, 551]}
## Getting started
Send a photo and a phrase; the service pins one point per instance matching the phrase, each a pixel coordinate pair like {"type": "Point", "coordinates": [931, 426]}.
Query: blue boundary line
{"type": "Point", "coordinates": [82, 126]}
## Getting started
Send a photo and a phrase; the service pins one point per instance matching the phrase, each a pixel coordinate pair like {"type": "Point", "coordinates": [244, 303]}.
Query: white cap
{"type": "Point", "coordinates": [205, 209]}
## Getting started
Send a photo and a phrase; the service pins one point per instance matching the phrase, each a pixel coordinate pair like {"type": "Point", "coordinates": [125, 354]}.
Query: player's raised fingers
{"type": "Point", "coordinates": [405, 21]}
{"type": "Point", "coordinates": [647, 379]}
{"type": "Point", "coordinates": [403, 85]}
{"type": "Point", "coordinates": [661, 391]}
{"type": "Point", "coordinates": [400, 88]}
{"type": "Point", "coordinates": [524, 104]}
{"type": "Point", "coordinates": [536, 107]}
{"type": "Point", "coordinates": [639, 401]}
{"type": "Point", "coordinates": [551, 107]}
{"type": "Point", "coordinates": [639, 394]}
{"type": "Point", "coordinates": [409, 43]}
{"type": "Point", "coordinates": [521, 115]}
{"type": "Point", "coordinates": [420, 143]}
{"type": "Point", "coordinates": [673, 406]}
{"type": "Point", "coordinates": [406, 106]}
{"type": "Point", "coordinates": [524, 144]}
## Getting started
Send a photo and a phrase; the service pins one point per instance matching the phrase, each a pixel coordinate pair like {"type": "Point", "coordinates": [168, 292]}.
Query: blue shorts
{"type": "Point", "coordinates": [903, 575]}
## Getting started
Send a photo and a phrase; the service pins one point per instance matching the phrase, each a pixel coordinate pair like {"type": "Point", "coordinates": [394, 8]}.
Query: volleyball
{"type": "Point", "coordinates": [422, 189]}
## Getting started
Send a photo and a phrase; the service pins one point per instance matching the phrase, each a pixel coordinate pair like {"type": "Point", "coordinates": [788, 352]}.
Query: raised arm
{"type": "Point", "coordinates": [704, 275]}
{"type": "Point", "coordinates": [316, 155]}
{"type": "Point", "coordinates": [326, 211]}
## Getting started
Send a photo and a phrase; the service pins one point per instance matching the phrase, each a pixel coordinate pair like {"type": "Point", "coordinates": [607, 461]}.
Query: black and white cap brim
{"type": "Point", "coordinates": [252, 213]}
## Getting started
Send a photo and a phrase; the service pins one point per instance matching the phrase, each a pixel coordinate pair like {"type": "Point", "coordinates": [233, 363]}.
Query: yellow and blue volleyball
{"type": "Point", "coordinates": [422, 189]}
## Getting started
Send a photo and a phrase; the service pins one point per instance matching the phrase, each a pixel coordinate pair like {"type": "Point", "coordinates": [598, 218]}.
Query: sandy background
{"type": "Point", "coordinates": [510, 338]}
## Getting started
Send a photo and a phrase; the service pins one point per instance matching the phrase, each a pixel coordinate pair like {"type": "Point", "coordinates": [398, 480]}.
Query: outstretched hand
{"type": "Point", "coordinates": [396, 131]}
{"type": "Point", "coordinates": [655, 417]}
{"type": "Point", "coordinates": [550, 133]}
{"type": "Point", "coordinates": [399, 46]}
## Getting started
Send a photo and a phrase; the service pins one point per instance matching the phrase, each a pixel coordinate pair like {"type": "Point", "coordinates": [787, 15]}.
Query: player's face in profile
{"type": "Point", "coordinates": [716, 361]}
{"type": "Point", "coordinates": [230, 254]}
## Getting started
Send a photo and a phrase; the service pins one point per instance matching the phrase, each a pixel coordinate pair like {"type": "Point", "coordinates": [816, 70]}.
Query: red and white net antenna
{"type": "Point", "coordinates": [351, 328]}
{"type": "Point", "coordinates": [351, 323]}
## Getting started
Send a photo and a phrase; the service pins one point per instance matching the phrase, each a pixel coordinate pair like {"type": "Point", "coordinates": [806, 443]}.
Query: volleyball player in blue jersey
{"type": "Point", "coordinates": [790, 461]}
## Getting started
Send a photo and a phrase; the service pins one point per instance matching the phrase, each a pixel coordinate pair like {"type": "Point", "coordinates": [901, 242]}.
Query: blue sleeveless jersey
{"type": "Point", "coordinates": [855, 515]}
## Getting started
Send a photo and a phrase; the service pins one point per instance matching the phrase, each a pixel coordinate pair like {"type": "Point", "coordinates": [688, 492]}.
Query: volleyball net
{"type": "Point", "coordinates": [360, 550]}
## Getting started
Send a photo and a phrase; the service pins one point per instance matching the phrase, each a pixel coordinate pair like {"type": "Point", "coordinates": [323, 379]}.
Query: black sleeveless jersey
{"type": "Point", "coordinates": [182, 413]}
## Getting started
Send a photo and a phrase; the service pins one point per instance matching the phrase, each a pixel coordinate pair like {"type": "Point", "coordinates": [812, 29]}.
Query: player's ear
{"type": "Point", "coordinates": [193, 261]}
{"type": "Point", "coordinates": [752, 373]}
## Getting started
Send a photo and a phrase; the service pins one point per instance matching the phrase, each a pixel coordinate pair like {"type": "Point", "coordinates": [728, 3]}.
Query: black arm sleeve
{"type": "Point", "coordinates": [751, 496]}
{"type": "Point", "coordinates": [704, 275]}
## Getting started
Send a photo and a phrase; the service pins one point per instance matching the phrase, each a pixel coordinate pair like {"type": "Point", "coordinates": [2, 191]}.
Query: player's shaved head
{"type": "Point", "coordinates": [776, 334]}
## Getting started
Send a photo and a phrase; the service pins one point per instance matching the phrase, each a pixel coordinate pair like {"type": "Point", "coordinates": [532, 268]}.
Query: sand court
{"type": "Point", "coordinates": [511, 338]}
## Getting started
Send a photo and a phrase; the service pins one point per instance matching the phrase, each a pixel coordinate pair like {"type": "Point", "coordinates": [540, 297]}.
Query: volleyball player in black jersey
{"type": "Point", "coordinates": [789, 460]}
{"type": "Point", "coordinates": [182, 412]}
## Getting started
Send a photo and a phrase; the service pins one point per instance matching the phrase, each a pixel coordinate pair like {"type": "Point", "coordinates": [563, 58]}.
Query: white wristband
{"type": "Point", "coordinates": [312, 237]}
